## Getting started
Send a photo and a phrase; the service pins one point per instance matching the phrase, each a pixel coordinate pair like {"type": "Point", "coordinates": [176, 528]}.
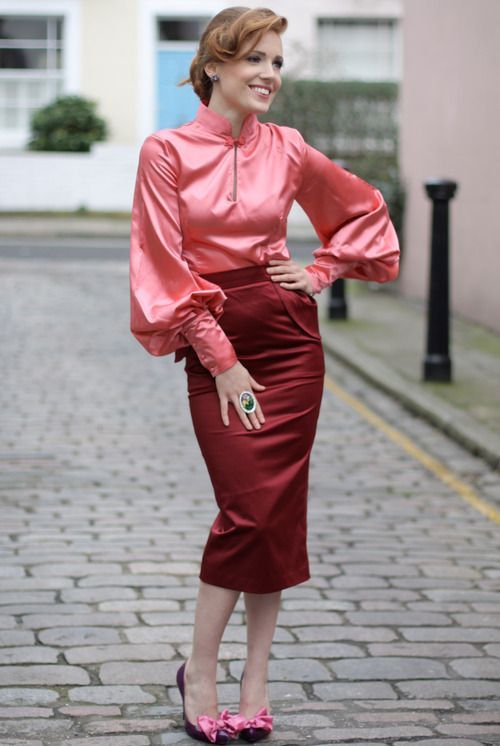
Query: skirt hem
{"type": "Point", "coordinates": [279, 586]}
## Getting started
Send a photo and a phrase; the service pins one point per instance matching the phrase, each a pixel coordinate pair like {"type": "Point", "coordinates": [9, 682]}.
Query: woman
{"type": "Point", "coordinates": [212, 280]}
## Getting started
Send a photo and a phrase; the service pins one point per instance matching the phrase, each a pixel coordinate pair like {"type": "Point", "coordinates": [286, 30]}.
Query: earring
{"type": "Point", "coordinates": [214, 78]}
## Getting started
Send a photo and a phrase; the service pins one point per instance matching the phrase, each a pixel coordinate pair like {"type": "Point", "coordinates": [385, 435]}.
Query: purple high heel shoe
{"type": "Point", "coordinates": [207, 729]}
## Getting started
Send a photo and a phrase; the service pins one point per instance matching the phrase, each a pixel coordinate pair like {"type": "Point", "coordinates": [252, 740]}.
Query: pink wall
{"type": "Point", "coordinates": [450, 127]}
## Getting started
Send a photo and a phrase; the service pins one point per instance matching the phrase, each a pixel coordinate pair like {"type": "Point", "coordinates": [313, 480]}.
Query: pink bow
{"type": "Point", "coordinates": [233, 724]}
{"type": "Point", "coordinates": [261, 720]}
{"type": "Point", "coordinates": [210, 727]}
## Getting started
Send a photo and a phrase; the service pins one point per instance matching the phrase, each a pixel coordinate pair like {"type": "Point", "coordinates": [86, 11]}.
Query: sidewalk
{"type": "Point", "coordinates": [384, 340]}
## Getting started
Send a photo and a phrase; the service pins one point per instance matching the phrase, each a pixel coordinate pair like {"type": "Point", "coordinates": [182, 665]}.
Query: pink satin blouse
{"type": "Point", "coordinates": [207, 202]}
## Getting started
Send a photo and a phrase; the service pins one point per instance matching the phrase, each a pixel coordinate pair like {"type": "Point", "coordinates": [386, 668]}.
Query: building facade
{"type": "Point", "coordinates": [450, 120]}
{"type": "Point", "coordinates": [129, 55]}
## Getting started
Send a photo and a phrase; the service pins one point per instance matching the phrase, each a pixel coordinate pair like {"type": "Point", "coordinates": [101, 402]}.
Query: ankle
{"type": "Point", "coordinates": [201, 670]}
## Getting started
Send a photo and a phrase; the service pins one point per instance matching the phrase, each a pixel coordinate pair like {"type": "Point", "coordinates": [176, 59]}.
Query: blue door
{"type": "Point", "coordinates": [175, 106]}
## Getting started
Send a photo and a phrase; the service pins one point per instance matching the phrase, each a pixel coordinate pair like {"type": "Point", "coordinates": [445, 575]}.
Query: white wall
{"type": "Point", "coordinates": [100, 180]}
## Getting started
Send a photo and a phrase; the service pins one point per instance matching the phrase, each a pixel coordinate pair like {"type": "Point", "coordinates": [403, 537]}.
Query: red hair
{"type": "Point", "coordinates": [227, 38]}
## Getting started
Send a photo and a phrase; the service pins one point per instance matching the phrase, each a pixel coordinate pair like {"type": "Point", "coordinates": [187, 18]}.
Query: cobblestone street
{"type": "Point", "coordinates": [105, 508]}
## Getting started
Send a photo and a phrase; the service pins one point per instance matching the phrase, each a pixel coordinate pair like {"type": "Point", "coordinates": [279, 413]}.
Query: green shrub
{"type": "Point", "coordinates": [352, 121]}
{"type": "Point", "coordinates": [68, 124]}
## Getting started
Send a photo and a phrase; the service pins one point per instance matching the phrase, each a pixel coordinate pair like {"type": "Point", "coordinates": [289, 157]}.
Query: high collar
{"type": "Point", "coordinates": [220, 125]}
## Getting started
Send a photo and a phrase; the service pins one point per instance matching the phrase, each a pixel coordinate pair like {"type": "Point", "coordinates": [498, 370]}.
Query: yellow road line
{"type": "Point", "coordinates": [435, 466]}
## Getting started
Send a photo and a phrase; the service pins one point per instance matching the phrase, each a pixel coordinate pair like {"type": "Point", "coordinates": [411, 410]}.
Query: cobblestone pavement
{"type": "Point", "coordinates": [105, 508]}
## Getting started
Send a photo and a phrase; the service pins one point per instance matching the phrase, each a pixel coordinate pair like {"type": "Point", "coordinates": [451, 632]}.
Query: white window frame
{"type": "Point", "coordinates": [70, 12]}
{"type": "Point", "coordinates": [363, 20]}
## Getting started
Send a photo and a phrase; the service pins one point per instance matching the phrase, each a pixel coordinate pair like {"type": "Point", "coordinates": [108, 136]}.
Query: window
{"type": "Point", "coordinates": [31, 67]}
{"type": "Point", "coordinates": [181, 29]}
{"type": "Point", "coordinates": [361, 49]}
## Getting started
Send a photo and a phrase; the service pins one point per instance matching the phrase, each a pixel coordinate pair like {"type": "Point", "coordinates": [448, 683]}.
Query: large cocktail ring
{"type": "Point", "coordinates": [247, 402]}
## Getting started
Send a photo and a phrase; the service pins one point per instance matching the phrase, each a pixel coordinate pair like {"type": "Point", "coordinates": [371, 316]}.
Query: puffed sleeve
{"type": "Point", "coordinates": [352, 221]}
{"type": "Point", "coordinates": [171, 306]}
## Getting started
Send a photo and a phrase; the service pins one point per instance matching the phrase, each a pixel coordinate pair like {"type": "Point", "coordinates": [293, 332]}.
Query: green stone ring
{"type": "Point", "coordinates": [247, 402]}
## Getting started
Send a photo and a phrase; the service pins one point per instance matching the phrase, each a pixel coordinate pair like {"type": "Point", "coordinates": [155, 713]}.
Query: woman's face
{"type": "Point", "coordinates": [251, 83]}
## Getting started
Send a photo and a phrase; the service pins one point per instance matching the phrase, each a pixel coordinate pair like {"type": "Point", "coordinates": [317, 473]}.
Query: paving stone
{"type": "Point", "coordinates": [469, 730]}
{"type": "Point", "coordinates": [75, 570]}
{"type": "Point", "coordinates": [32, 654]}
{"type": "Point", "coordinates": [449, 688]}
{"type": "Point", "coordinates": [347, 633]}
{"type": "Point", "coordinates": [396, 618]}
{"type": "Point", "coordinates": [50, 728]}
{"type": "Point", "coordinates": [25, 712]}
{"type": "Point", "coordinates": [16, 637]}
{"type": "Point", "coordinates": [129, 725]}
{"type": "Point", "coordinates": [293, 669]}
{"type": "Point", "coordinates": [130, 581]}
{"type": "Point", "coordinates": [138, 673]}
{"type": "Point", "coordinates": [84, 711]}
{"type": "Point", "coordinates": [26, 696]}
{"type": "Point", "coordinates": [434, 649]}
{"type": "Point", "coordinates": [27, 597]}
{"type": "Point", "coordinates": [441, 742]}
{"type": "Point", "coordinates": [7, 622]}
{"type": "Point", "coordinates": [407, 704]}
{"type": "Point", "coordinates": [12, 571]}
{"type": "Point", "coordinates": [387, 668]}
{"type": "Point", "coordinates": [381, 718]}
{"type": "Point", "coordinates": [478, 620]}
{"type": "Point", "coordinates": [347, 734]}
{"type": "Point", "coordinates": [308, 618]}
{"type": "Point", "coordinates": [477, 668]}
{"type": "Point", "coordinates": [21, 742]}
{"type": "Point", "coordinates": [491, 716]}
{"type": "Point", "coordinates": [70, 636]}
{"type": "Point", "coordinates": [94, 595]}
{"type": "Point", "coordinates": [127, 740]}
{"type": "Point", "coordinates": [451, 634]}
{"type": "Point", "coordinates": [125, 652]}
{"type": "Point", "coordinates": [360, 690]}
{"type": "Point", "coordinates": [35, 584]}
{"type": "Point", "coordinates": [40, 621]}
{"type": "Point", "coordinates": [103, 695]}
{"type": "Point", "coordinates": [140, 605]}
{"type": "Point", "coordinates": [327, 650]}
{"type": "Point", "coordinates": [43, 675]}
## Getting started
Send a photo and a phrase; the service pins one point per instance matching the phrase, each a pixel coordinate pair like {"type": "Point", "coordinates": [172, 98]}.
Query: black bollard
{"type": "Point", "coordinates": [337, 306]}
{"type": "Point", "coordinates": [437, 362]}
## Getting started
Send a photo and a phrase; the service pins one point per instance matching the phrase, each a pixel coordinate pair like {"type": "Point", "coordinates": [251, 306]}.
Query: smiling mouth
{"type": "Point", "coordinates": [260, 90]}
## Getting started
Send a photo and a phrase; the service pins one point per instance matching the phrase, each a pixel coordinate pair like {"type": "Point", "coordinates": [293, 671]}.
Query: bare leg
{"type": "Point", "coordinates": [262, 613]}
{"type": "Point", "coordinates": [213, 610]}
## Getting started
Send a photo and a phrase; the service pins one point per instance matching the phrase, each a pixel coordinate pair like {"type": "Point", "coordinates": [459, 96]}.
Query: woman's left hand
{"type": "Point", "coordinates": [290, 275]}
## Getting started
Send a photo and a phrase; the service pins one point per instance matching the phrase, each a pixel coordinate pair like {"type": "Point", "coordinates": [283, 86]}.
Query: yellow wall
{"type": "Point", "coordinates": [110, 64]}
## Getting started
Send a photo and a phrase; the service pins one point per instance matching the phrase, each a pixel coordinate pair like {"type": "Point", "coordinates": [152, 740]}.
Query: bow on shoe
{"type": "Point", "coordinates": [233, 724]}
{"type": "Point", "coordinates": [211, 727]}
{"type": "Point", "coordinates": [261, 720]}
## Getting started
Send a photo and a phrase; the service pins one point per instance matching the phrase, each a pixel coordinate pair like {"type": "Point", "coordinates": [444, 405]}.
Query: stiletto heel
{"type": "Point", "coordinates": [207, 729]}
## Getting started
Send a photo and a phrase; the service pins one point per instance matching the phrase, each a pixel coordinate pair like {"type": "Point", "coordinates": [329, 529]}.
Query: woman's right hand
{"type": "Point", "coordinates": [229, 386]}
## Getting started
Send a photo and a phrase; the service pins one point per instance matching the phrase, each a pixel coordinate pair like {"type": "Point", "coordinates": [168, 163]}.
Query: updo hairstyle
{"type": "Point", "coordinates": [227, 38]}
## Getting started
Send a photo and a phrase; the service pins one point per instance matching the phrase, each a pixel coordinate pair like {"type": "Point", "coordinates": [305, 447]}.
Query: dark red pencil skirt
{"type": "Point", "coordinates": [257, 542]}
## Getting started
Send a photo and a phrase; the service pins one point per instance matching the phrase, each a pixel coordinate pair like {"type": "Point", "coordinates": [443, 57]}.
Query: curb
{"type": "Point", "coordinates": [460, 426]}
